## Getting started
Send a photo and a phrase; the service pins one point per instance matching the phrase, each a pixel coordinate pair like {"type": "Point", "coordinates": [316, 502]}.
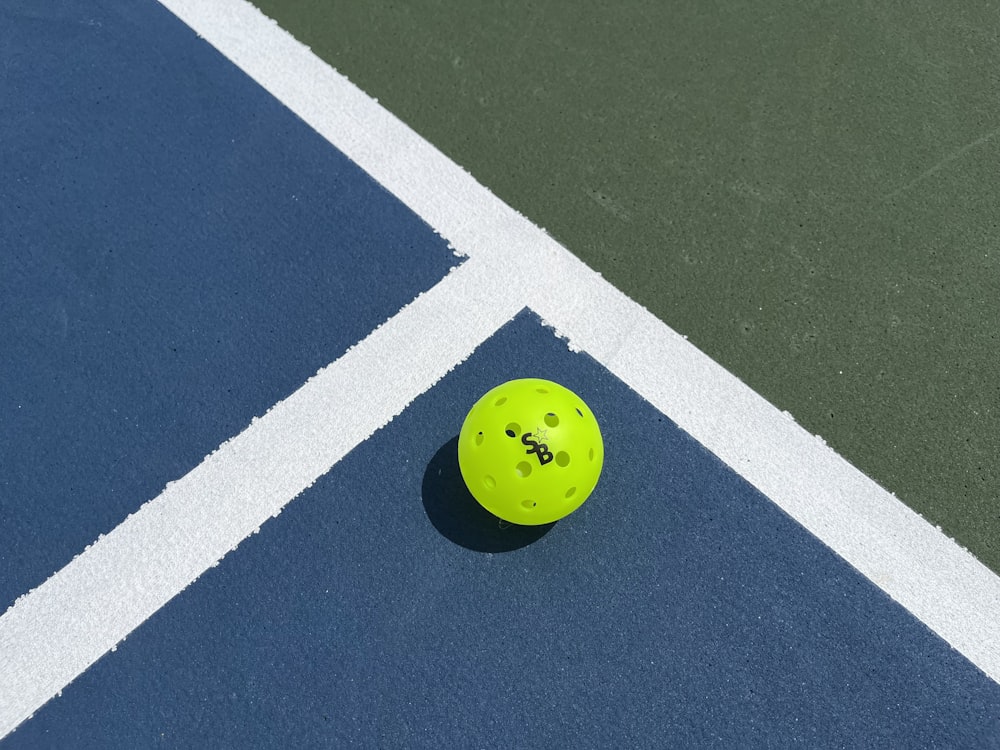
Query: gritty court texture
{"type": "Point", "coordinates": [245, 311]}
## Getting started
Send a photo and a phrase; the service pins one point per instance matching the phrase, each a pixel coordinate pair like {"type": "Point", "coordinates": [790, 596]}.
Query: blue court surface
{"type": "Point", "coordinates": [181, 253]}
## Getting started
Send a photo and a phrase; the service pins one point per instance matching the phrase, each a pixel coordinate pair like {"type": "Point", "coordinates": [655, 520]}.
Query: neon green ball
{"type": "Point", "coordinates": [530, 451]}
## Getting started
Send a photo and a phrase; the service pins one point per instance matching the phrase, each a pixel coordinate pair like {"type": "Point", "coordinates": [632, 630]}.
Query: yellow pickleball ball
{"type": "Point", "coordinates": [530, 451]}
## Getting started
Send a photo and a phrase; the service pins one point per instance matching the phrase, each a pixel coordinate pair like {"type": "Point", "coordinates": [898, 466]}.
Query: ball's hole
{"type": "Point", "coordinates": [479, 438]}
{"type": "Point", "coordinates": [528, 504]}
{"type": "Point", "coordinates": [542, 390]}
{"type": "Point", "coordinates": [570, 492]}
{"type": "Point", "coordinates": [579, 412]}
{"type": "Point", "coordinates": [523, 469]}
{"type": "Point", "coordinates": [513, 429]}
{"type": "Point", "coordinates": [562, 458]}
{"type": "Point", "coordinates": [489, 482]}
{"type": "Point", "coordinates": [591, 455]}
{"type": "Point", "coordinates": [551, 419]}
{"type": "Point", "coordinates": [500, 401]}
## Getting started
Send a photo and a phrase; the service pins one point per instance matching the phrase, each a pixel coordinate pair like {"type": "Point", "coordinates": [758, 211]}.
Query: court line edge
{"type": "Point", "coordinates": [52, 634]}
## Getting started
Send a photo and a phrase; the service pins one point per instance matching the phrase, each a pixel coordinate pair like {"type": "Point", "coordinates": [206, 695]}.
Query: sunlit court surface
{"type": "Point", "coordinates": [244, 312]}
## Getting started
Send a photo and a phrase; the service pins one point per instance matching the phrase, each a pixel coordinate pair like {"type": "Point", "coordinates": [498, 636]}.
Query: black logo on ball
{"type": "Point", "coordinates": [539, 449]}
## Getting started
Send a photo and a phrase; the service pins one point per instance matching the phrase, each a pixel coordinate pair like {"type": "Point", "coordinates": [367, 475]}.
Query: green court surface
{"type": "Point", "coordinates": [807, 191]}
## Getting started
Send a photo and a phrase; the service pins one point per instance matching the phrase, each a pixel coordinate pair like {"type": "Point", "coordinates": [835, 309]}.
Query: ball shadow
{"type": "Point", "coordinates": [454, 512]}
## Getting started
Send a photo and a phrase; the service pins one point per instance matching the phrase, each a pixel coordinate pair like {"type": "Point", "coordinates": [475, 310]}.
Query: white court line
{"type": "Point", "coordinates": [59, 629]}
{"type": "Point", "coordinates": [51, 635]}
